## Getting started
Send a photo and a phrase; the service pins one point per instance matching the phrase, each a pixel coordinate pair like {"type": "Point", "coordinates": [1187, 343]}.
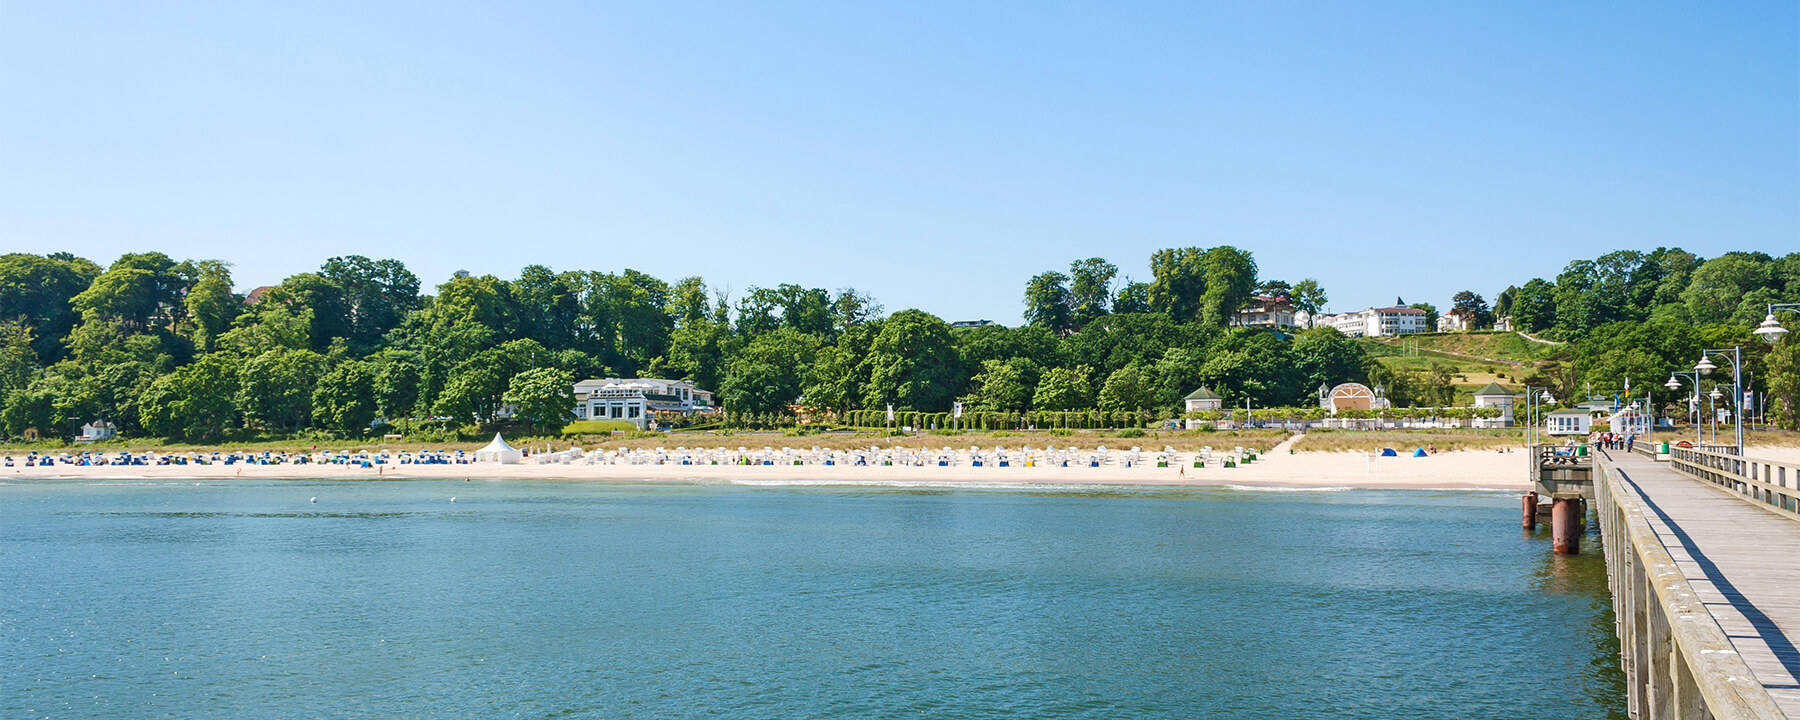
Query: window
{"type": "Point", "coordinates": [634, 412]}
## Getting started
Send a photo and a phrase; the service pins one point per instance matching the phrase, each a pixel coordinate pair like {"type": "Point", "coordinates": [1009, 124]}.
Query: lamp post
{"type": "Point", "coordinates": [1705, 367]}
{"type": "Point", "coordinates": [1771, 330]}
{"type": "Point", "coordinates": [1535, 397]}
{"type": "Point", "coordinates": [1712, 413]}
{"type": "Point", "coordinates": [1693, 403]}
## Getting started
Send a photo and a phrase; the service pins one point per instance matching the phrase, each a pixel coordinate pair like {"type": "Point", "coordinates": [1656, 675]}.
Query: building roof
{"type": "Point", "coordinates": [1572, 411]}
{"type": "Point", "coordinates": [1398, 311]}
{"type": "Point", "coordinates": [1203, 394]}
{"type": "Point", "coordinates": [498, 445]}
{"type": "Point", "coordinates": [1494, 388]}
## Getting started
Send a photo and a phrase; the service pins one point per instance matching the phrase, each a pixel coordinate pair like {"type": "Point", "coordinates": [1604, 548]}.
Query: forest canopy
{"type": "Point", "coordinates": [167, 347]}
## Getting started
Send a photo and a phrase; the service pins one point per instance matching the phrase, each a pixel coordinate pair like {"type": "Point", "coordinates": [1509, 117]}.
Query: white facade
{"type": "Point", "coordinates": [1568, 422]}
{"type": "Point", "coordinates": [635, 399]}
{"type": "Point", "coordinates": [97, 430]}
{"type": "Point", "coordinates": [1267, 312]}
{"type": "Point", "coordinates": [1495, 396]}
{"type": "Point", "coordinates": [1454, 321]}
{"type": "Point", "coordinates": [1376, 322]}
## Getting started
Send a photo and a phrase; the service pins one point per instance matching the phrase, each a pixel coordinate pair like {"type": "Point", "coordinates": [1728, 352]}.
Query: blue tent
{"type": "Point", "coordinates": [1389, 452]}
{"type": "Point", "coordinates": [1418, 452]}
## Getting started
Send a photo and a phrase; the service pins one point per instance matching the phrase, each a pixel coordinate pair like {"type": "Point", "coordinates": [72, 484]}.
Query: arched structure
{"type": "Point", "coordinates": [1350, 396]}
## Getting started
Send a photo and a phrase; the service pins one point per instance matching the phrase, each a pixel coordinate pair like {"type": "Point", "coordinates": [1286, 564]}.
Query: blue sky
{"type": "Point", "coordinates": [934, 154]}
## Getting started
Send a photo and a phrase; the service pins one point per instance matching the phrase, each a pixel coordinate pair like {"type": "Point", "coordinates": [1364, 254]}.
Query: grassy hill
{"type": "Point", "coordinates": [1476, 358]}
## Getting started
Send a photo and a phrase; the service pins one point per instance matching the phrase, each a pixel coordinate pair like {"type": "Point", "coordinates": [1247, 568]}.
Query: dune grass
{"type": "Point", "coordinates": [1324, 440]}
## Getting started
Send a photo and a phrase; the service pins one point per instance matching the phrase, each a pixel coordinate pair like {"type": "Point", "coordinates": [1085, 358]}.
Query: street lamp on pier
{"type": "Point", "coordinates": [1693, 403]}
{"type": "Point", "coordinates": [1706, 366]}
{"type": "Point", "coordinates": [1771, 330]}
{"type": "Point", "coordinates": [1536, 397]}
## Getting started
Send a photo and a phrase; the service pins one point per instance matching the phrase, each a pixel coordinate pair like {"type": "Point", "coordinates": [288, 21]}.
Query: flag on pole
{"type": "Point", "coordinates": [1627, 386]}
{"type": "Point", "coordinates": [956, 411]}
{"type": "Point", "coordinates": [890, 412]}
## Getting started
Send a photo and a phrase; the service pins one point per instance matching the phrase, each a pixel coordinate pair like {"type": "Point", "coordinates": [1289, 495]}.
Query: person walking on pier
{"type": "Point", "coordinates": [1630, 439]}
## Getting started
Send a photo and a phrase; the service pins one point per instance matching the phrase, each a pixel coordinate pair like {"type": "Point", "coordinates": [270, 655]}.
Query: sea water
{"type": "Point", "coordinates": [330, 599]}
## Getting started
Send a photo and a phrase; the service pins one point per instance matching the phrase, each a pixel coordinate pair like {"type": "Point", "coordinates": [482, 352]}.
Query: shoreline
{"type": "Point", "coordinates": [1452, 470]}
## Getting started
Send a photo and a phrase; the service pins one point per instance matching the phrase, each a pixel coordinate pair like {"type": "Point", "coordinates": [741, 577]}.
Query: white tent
{"type": "Point", "coordinates": [498, 452]}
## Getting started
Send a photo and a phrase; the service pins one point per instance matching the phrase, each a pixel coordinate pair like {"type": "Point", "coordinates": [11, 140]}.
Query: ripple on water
{"type": "Point", "coordinates": [693, 600]}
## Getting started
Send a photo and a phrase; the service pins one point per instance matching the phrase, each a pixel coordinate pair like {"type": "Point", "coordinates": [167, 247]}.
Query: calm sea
{"type": "Point", "coordinates": [579, 600]}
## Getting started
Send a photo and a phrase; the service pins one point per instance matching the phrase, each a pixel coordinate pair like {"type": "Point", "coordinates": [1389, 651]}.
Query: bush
{"type": "Point", "coordinates": [1060, 432]}
{"type": "Point", "coordinates": [1131, 433]}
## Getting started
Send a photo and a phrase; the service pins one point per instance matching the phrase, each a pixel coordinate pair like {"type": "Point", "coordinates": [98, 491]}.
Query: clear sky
{"type": "Point", "coordinates": [934, 154]}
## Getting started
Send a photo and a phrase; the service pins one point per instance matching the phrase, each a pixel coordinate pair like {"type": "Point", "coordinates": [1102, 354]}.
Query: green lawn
{"type": "Point", "coordinates": [597, 427]}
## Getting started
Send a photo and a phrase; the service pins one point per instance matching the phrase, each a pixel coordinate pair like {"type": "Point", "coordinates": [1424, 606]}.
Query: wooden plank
{"type": "Point", "coordinates": [1738, 559]}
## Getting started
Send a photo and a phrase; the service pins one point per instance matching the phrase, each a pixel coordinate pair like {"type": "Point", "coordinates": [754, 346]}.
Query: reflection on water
{"type": "Point", "coordinates": [690, 600]}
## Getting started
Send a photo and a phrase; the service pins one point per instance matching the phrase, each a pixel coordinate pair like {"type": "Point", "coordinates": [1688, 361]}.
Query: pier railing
{"type": "Point", "coordinates": [1772, 485]}
{"type": "Point", "coordinates": [1678, 661]}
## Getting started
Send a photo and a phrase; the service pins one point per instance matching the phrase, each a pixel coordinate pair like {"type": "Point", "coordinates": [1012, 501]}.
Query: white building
{"type": "Point", "coordinates": [97, 430]}
{"type": "Point", "coordinates": [1268, 312]}
{"type": "Point", "coordinates": [634, 399]}
{"type": "Point", "coordinates": [1572, 421]}
{"type": "Point", "coordinates": [1495, 396]}
{"type": "Point", "coordinates": [1455, 321]}
{"type": "Point", "coordinates": [1201, 400]}
{"type": "Point", "coordinates": [1376, 322]}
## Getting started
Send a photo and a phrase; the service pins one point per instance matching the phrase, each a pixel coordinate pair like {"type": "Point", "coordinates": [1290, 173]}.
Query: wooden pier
{"type": "Point", "coordinates": [1701, 557]}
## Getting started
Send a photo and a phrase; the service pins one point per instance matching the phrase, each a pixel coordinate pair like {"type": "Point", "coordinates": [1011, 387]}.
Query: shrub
{"type": "Point", "coordinates": [1131, 433]}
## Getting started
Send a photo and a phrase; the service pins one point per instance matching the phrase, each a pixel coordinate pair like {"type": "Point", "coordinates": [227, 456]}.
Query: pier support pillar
{"type": "Point", "coordinates": [1529, 504]}
{"type": "Point", "coordinates": [1566, 526]}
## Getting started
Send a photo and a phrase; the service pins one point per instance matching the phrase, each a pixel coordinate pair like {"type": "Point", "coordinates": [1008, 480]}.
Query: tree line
{"type": "Point", "coordinates": [165, 347]}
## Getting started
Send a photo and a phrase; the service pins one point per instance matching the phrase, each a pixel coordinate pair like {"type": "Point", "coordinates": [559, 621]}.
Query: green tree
{"type": "Point", "coordinates": [1309, 298]}
{"type": "Point", "coordinates": [544, 396]}
{"type": "Point", "coordinates": [32, 408]}
{"type": "Point", "coordinates": [1473, 307]}
{"type": "Point", "coordinates": [1712, 296]}
{"type": "Point", "coordinates": [768, 374]}
{"type": "Point", "coordinates": [376, 295]}
{"type": "Point", "coordinates": [1127, 388]}
{"type": "Point", "coordinates": [1090, 289]}
{"type": "Point", "coordinates": [1230, 283]}
{"type": "Point", "coordinates": [327, 303]}
{"type": "Point", "coordinates": [195, 402]}
{"type": "Point", "coordinates": [1047, 302]}
{"type": "Point", "coordinates": [1324, 356]}
{"type": "Point", "coordinates": [276, 388]}
{"type": "Point", "coordinates": [547, 307]}
{"type": "Point", "coordinates": [1178, 283]}
{"type": "Point", "coordinates": [38, 289]}
{"type": "Point", "coordinates": [398, 379]}
{"type": "Point", "coordinates": [211, 306]}
{"type": "Point", "coordinates": [912, 363]}
{"type": "Point", "coordinates": [1002, 385]}
{"type": "Point", "coordinates": [18, 357]}
{"type": "Point", "coordinates": [1133, 297]}
{"type": "Point", "coordinates": [851, 308]}
{"type": "Point", "coordinates": [344, 399]}
{"type": "Point", "coordinates": [1534, 307]}
{"type": "Point", "coordinates": [697, 352]}
{"type": "Point", "coordinates": [1784, 380]}
{"type": "Point", "coordinates": [1063, 388]}
{"type": "Point", "coordinates": [476, 388]}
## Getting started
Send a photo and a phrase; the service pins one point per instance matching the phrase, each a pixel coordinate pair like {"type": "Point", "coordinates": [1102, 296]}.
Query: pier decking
{"type": "Point", "coordinates": [1738, 560]}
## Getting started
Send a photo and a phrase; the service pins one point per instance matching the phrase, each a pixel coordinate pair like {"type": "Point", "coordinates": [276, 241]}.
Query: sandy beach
{"type": "Point", "coordinates": [1461, 470]}
{"type": "Point", "coordinates": [1278, 468]}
